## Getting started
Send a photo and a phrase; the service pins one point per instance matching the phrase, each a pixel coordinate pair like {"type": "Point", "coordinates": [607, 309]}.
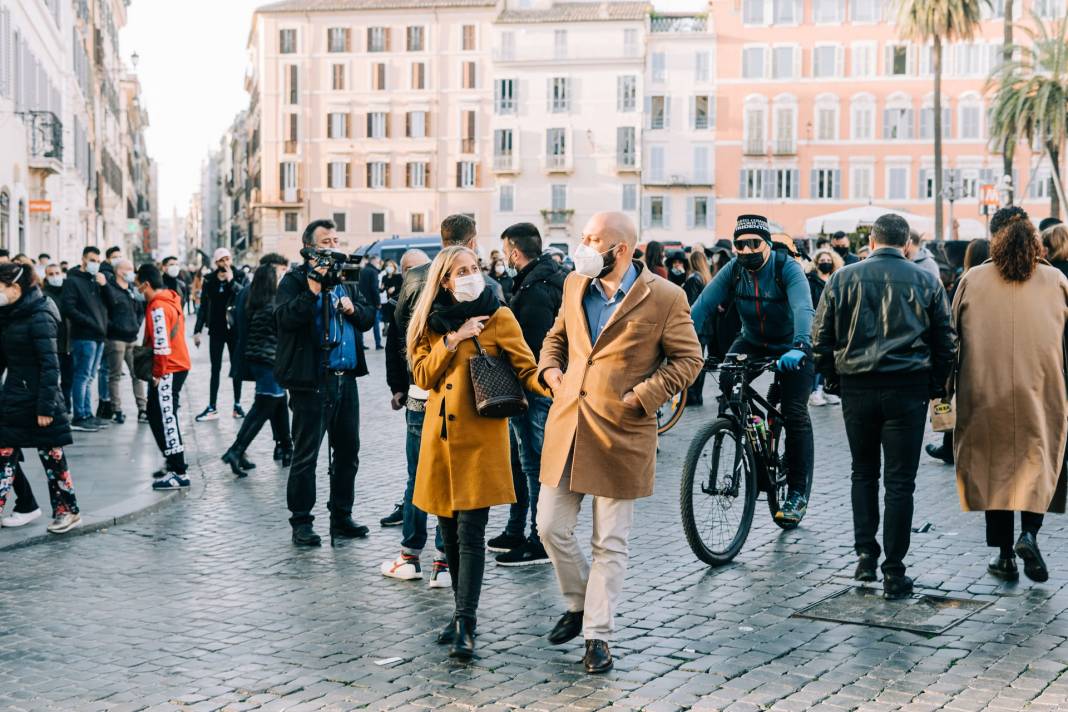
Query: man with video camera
{"type": "Point", "coordinates": [319, 356]}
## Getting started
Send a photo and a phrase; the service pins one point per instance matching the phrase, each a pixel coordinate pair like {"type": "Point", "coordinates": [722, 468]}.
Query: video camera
{"type": "Point", "coordinates": [335, 263]}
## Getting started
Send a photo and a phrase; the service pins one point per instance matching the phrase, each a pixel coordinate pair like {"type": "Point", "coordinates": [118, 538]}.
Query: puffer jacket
{"type": "Point", "coordinates": [885, 320]}
{"type": "Point", "coordinates": [537, 293]}
{"type": "Point", "coordinates": [28, 358]}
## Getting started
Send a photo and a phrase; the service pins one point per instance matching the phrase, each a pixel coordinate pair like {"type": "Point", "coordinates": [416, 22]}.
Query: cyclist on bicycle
{"type": "Point", "coordinates": [775, 306]}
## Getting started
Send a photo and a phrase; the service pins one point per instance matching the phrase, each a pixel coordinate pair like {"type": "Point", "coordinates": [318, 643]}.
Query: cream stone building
{"type": "Point", "coordinates": [373, 113]}
{"type": "Point", "coordinates": [567, 113]}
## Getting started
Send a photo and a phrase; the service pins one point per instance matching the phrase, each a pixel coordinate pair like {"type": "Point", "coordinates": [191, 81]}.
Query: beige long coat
{"type": "Point", "coordinates": [648, 346]}
{"type": "Point", "coordinates": [464, 458]}
{"type": "Point", "coordinates": [1012, 412]}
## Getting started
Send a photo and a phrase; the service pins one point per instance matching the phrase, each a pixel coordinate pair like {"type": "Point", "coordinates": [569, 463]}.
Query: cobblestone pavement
{"type": "Point", "coordinates": [205, 605]}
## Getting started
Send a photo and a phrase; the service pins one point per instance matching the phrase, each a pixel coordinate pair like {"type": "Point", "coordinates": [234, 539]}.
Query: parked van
{"type": "Point", "coordinates": [394, 248]}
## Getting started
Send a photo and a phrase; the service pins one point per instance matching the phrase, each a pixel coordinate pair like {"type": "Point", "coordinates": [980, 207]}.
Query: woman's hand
{"type": "Point", "coordinates": [43, 421]}
{"type": "Point", "coordinates": [471, 328]}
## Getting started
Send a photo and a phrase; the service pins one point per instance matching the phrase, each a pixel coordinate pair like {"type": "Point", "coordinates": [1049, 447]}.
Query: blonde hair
{"type": "Point", "coordinates": [439, 272]}
{"type": "Point", "coordinates": [699, 264]}
{"type": "Point", "coordinates": [836, 259]}
{"type": "Point", "coordinates": [1055, 240]}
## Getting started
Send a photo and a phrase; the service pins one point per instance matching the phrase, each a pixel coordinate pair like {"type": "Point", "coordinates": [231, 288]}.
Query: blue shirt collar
{"type": "Point", "coordinates": [629, 279]}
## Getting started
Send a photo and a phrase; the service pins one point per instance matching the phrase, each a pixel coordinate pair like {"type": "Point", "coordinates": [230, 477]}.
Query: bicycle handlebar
{"type": "Point", "coordinates": [741, 361]}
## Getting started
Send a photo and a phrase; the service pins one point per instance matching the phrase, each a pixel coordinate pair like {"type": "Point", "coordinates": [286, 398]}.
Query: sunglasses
{"type": "Point", "coordinates": [752, 244]}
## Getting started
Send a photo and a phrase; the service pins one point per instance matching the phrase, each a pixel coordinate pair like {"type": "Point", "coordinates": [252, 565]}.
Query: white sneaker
{"type": "Point", "coordinates": [439, 575]}
{"type": "Point", "coordinates": [20, 519]}
{"type": "Point", "coordinates": [405, 568]}
{"type": "Point", "coordinates": [64, 523]}
{"type": "Point", "coordinates": [832, 400]}
{"type": "Point", "coordinates": [817, 398]}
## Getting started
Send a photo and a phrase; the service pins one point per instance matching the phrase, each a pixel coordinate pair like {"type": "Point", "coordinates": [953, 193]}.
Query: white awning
{"type": "Point", "coordinates": [850, 220]}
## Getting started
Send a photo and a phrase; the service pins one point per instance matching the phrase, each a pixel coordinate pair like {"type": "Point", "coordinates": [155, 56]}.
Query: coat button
{"type": "Point", "coordinates": [582, 394]}
{"type": "Point", "coordinates": [448, 386]}
{"type": "Point", "coordinates": [452, 417]}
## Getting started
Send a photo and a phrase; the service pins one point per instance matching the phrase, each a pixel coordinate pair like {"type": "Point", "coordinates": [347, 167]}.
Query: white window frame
{"type": "Point", "coordinates": [753, 50]}
{"type": "Point", "coordinates": [873, 4]}
{"type": "Point", "coordinates": [417, 123]}
{"type": "Point", "coordinates": [504, 96]}
{"type": "Point", "coordinates": [855, 170]}
{"type": "Point", "coordinates": [628, 200]}
{"type": "Point", "coordinates": [379, 119]}
{"type": "Point", "coordinates": [468, 174]}
{"type": "Point", "coordinates": [837, 6]}
{"type": "Point", "coordinates": [905, 170]}
{"type": "Point", "coordinates": [559, 95]}
{"type": "Point", "coordinates": [626, 93]}
{"type": "Point", "coordinates": [826, 104]}
{"type": "Point", "coordinates": [336, 171]}
{"type": "Point", "coordinates": [970, 103]}
{"type": "Point", "coordinates": [750, 8]}
{"type": "Point", "coordinates": [658, 67]}
{"type": "Point", "coordinates": [378, 170]}
{"type": "Point", "coordinates": [753, 183]}
{"type": "Point", "coordinates": [506, 198]}
{"type": "Point", "coordinates": [836, 60]}
{"type": "Point", "coordinates": [417, 174]}
{"type": "Point", "coordinates": [795, 61]}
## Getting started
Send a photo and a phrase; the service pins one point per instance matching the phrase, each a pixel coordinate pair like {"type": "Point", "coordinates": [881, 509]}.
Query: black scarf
{"type": "Point", "coordinates": [447, 315]}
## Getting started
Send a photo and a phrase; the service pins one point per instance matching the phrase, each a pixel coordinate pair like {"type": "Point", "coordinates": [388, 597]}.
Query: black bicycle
{"type": "Point", "coordinates": [732, 459]}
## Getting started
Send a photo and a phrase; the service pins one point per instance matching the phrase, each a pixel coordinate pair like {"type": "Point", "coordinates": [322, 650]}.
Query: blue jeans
{"type": "Point", "coordinates": [86, 355]}
{"type": "Point", "coordinates": [413, 530]}
{"type": "Point", "coordinates": [529, 430]}
{"type": "Point", "coordinates": [103, 378]}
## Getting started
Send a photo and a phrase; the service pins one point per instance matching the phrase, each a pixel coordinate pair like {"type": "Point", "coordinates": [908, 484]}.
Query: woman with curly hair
{"type": "Point", "coordinates": [1012, 413]}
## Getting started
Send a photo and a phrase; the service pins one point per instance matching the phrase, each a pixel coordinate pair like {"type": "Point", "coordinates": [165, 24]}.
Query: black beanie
{"type": "Point", "coordinates": [752, 225]}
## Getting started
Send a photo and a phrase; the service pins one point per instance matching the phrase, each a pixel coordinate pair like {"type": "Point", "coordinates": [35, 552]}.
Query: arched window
{"type": "Point", "coordinates": [5, 220]}
{"type": "Point", "coordinates": [970, 116]}
{"type": "Point", "coordinates": [927, 118]}
{"type": "Point", "coordinates": [862, 117]}
{"type": "Point", "coordinates": [826, 118]}
{"type": "Point", "coordinates": [899, 118]}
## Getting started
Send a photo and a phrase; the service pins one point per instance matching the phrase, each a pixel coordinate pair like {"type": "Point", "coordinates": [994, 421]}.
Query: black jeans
{"type": "Point", "coordinates": [796, 387]}
{"type": "Point", "coordinates": [891, 420]}
{"type": "Point", "coordinates": [999, 526]}
{"type": "Point", "coordinates": [163, 419]}
{"type": "Point", "coordinates": [464, 534]}
{"type": "Point", "coordinates": [25, 502]}
{"type": "Point", "coordinates": [333, 408]}
{"type": "Point", "coordinates": [220, 338]}
{"type": "Point", "coordinates": [264, 409]}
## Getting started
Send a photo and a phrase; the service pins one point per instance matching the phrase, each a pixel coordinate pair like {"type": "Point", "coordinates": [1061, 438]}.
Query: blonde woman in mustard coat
{"type": "Point", "coordinates": [464, 458]}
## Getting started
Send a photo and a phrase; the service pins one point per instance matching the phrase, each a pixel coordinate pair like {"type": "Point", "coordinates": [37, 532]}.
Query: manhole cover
{"type": "Point", "coordinates": [928, 615]}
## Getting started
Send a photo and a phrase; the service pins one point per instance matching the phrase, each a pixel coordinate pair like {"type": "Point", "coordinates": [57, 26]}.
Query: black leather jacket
{"type": "Point", "coordinates": [885, 320]}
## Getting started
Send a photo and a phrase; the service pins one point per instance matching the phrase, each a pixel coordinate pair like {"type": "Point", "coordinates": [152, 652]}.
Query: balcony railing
{"type": "Point", "coordinates": [693, 23]}
{"type": "Point", "coordinates": [558, 162]}
{"type": "Point", "coordinates": [627, 162]}
{"type": "Point", "coordinates": [785, 147]}
{"type": "Point", "coordinates": [557, 217]}
{"type": "Point", "coordinates": [754, 147]}
{"type": "Point", "coordinates": [505, 162]}
{"type": "Point", "coordinates": [46, 141]}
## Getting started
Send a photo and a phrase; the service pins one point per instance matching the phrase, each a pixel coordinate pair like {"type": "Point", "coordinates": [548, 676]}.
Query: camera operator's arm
{"type": "Point", "coordinates": [295, 302]}
{"type": "Point", "coordinates": [357, 311]}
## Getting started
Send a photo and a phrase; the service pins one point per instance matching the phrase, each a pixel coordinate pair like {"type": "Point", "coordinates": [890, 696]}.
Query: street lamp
{"type": "Point", "coordinates": [951, 191]}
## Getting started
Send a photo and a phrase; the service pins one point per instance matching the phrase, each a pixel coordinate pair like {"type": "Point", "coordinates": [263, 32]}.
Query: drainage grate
{"type": "Point", "coordinates": [924, 614]}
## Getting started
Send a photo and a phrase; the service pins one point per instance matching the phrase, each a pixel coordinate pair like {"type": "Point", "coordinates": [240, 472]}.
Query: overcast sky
{"type": "Point", "coordinates": [192, 67]}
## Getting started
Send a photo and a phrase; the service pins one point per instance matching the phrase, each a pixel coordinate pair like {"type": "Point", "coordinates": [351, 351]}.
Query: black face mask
{"type": "Point", "coordinates": [752, 261]}
{"type": "Point", "coordinates": [842, 251]}
{"type": "Point", "coordinates": [825, 267]}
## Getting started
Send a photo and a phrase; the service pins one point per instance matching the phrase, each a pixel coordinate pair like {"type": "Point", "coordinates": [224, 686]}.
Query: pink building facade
{"type": "Point", "coordinates": [822, 108]}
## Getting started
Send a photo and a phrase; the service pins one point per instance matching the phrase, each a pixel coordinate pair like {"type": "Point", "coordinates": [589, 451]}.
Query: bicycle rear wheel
{"type": "Point", "coordinates": [669, 414]}
{"type": "Point", "coordinates": [718, 492]}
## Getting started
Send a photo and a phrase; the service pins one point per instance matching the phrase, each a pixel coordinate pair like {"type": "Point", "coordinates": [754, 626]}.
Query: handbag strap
{"type": "Point", "coordinates": [481, 351]}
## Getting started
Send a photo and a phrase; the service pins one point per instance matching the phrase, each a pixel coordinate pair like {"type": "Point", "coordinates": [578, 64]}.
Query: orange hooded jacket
{"type": "Point", "coordinates": [165, 334]}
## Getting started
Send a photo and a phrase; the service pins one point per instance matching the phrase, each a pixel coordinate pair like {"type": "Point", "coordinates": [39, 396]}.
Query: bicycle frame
{"type": "Point", "coordinates": [741, 402]}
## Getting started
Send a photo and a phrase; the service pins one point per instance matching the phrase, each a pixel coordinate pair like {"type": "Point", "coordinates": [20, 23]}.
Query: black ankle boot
{"type": "Point", "coordinates": [463, 642]}
{"type": "Point", "coordinates": [232, 459]}
{"type": "Point", "coordinates": [278, 449]}
{"type": "Point", "coordinates": [246, 463]}
{"type": "Point", "coordinates": [287, 457]}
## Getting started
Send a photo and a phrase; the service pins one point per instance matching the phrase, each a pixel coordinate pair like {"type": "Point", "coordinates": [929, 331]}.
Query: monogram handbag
{"type": "Point", "coordinates": [498, 393]}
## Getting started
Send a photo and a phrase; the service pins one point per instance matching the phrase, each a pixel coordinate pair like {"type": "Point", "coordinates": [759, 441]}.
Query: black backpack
{"type": "Point", "coordinates": [724, 327]}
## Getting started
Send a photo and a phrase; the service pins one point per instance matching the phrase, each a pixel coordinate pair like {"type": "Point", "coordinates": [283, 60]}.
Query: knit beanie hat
{"type": "Point", "coordinates": [752, 225]}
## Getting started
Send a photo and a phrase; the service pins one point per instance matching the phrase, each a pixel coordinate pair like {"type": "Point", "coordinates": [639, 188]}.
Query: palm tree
{"type": "Point", "coordinates": [1030, 95]}
{"type": "Point", "coordinates": [1008, 148]}
{"type": "Point", "coordinates": [938, 22]}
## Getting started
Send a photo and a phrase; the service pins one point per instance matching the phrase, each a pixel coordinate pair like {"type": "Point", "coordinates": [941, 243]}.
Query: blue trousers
{"type": "Point", "coordinates": [413, 528]}
{"type": "Point", "coordinates": [528, 430]}
{"type": "Point", "coordinates": [86, 355]}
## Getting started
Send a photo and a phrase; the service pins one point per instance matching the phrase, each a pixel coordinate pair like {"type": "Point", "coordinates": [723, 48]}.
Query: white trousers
{"type": "Point", "coordinates": [592, 589]}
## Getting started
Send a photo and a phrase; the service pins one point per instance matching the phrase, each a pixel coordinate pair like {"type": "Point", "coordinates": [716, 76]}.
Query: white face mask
{"type": "Point", "coordinates": [469, 288]}
{"type": "Point", "coordinates": [115, 261]}
{"type": "Point", "coordinates": [55, 280]}
{"type": "Point", "coordinates": [390, 269]}
{"type": "Point", "coordinates": [92, 267]}
{"type": "Point", "coordinates": [128, 277]}
{"type": "Point", "coordinates": [499, 269]}
{"type": "Point", "coordinates": [173, 270]}
{"type": "Point", "coordinates": [4, 301]}
{"type": "Point", "coordinates": [588, 261]}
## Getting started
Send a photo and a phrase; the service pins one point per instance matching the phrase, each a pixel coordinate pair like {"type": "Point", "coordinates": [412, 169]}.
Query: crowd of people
{"type": "Point", "coordinates": [532, 379]}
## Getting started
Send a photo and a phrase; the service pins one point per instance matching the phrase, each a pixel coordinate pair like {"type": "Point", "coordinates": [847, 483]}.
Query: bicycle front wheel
{"type": "Point", "coordinates": [718, 492]}
{"type": "Point", "coordinates": [669, 414]}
